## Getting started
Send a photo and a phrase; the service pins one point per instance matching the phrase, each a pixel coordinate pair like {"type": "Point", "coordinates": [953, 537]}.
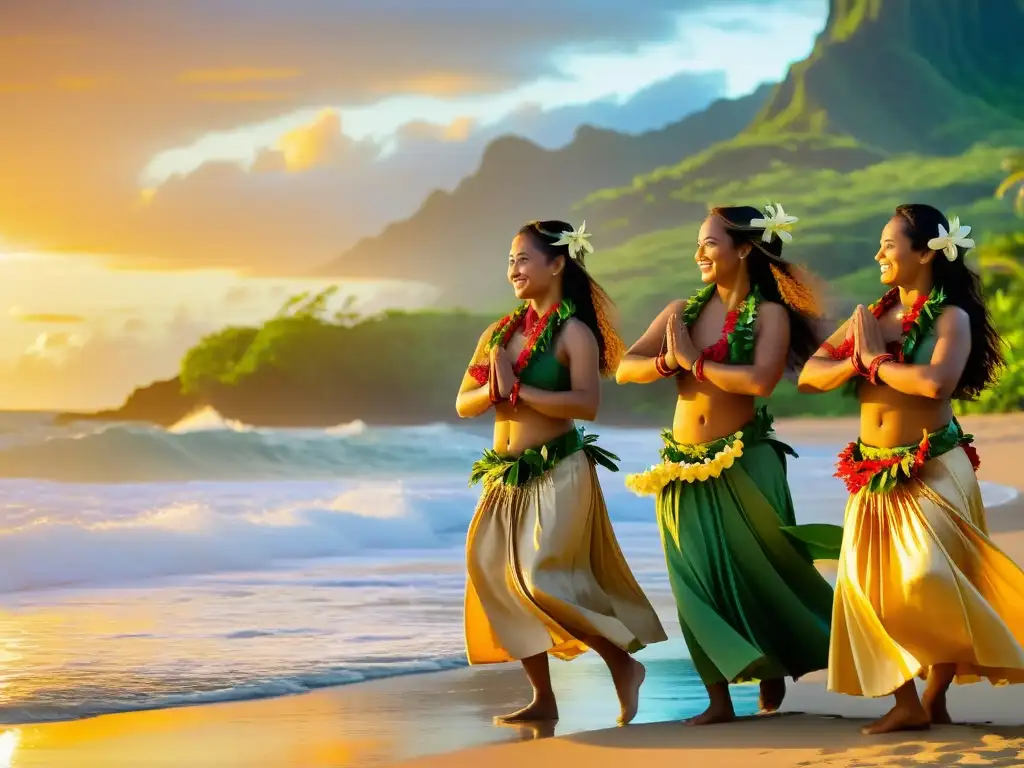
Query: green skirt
{"type": "Point", "coordinates": [751, 604]}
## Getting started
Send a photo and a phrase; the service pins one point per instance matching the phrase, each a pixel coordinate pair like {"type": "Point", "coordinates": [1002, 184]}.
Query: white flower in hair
{"type": "Point", "coordinates": [948, 241]}
{"type": "Point", "coordinates": [776, 222]}
{"type": "Point", "coordinates": [577, 242]}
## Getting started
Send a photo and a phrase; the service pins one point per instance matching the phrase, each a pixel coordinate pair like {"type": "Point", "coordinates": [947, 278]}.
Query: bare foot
{"type": "Point", "coordinates": [935, 707]}
{"type": "Point", "coordinates": [713, 714]}
{"type": "Point", "coordinates": [627, 686]}
{"type": "Point", "coordinates": [899, 718]}
{"type": "Point", "coordinates": [530, 730]}
{"type": "Point", "coordinates": [772, 693]}
{"type": "Point", "coordinates": [535, 711]}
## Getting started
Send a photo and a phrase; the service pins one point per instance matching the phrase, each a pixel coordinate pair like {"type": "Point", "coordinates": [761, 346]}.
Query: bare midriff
{"type": "Point", "coordinates": [515, 430]}
{"type": "Point", "coordinates": [705, 413]}
{"type": "Point", "coordinates": [889, 419]}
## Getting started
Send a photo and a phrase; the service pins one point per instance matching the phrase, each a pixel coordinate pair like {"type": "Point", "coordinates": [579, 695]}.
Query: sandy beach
{"type": "Point", "coordinates": [444, 719]}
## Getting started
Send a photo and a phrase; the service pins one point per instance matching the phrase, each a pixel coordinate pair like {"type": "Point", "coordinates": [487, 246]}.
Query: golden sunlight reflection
{"type": "Point", "coordinates": [8, 746]}
{"type": "Point", "coordinates": [78, 334]}
{"type": "Point", "coordinates": [218, 736]}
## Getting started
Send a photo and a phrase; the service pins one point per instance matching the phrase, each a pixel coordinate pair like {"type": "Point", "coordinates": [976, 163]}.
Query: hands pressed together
{"type": "Point", "coordinates": [681, 353]}
{"type": "Point", "coordinates": [503, 376]}
{"type": "Point", "coordinates": [869, 350]}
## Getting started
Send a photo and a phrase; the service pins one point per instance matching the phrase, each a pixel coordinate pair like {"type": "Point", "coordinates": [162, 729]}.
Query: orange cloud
{"type": "Point", "coordinates": [240, 97]}
{"type": "Point", "coordinates": [459, 129]}
{"type": "Point", "coordinates": [318, 143]}
{"type": "Point", "coordinates": [49, 318]}
{"type": "Point", "coordinates": [12, 87]}
{"type": "Point", "coordinates": [55, 345]}
{"type": "Point", "coordinates": [77, 83]}
{"type": "Point", "coordinates": [238, 75]}
{"type": "Point", "coordinates": [439, 84]}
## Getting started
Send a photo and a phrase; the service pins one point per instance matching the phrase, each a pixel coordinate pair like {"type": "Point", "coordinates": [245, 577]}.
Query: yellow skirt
{"type": "Point", "coordinates": [920, 583]}
{"type": "Point", "coordinates": [544, 566]}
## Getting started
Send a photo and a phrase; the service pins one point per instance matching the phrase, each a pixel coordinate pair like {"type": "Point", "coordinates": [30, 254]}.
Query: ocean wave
{"type": "Point", "coordinates": [207, 419]}
{"type": "Point", "coordinates": [207, 447]}
{"type": "Point", "coordinates": [59, 535]}
{"type": "Point", "coordinates": [56, 705]}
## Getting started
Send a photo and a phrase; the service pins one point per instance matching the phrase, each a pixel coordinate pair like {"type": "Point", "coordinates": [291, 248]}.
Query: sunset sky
{"type": "Point", "coordinates": [167, 168]}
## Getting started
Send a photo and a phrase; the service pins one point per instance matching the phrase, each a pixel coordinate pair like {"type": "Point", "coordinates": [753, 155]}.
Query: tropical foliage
{"type": "Point", "coordinates": [1002, 264]}
{"type": "Point", "coordinates": [1014, 165]}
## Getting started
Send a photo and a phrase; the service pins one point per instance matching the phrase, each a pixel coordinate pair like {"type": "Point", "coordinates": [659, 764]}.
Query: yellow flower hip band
{"type": "Point", "coordinates": [698, 462]}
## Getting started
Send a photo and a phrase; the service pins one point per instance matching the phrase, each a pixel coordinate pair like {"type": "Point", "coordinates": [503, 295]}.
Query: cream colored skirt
{"type": "Point", "coordinates": [920, 583]}
{"type": "Point", "coordinates": [544, 567]}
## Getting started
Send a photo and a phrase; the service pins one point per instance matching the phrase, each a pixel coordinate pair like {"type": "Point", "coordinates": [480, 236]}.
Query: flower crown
{"type": "Point", "coordinates": [947, 242]}
{"type": "Point", "coordinates": [776, 223]}
{"type": "Point", "coordinates": [575, 239]}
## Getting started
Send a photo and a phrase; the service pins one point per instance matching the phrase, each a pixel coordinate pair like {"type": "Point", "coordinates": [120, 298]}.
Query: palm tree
{"type": "Point", "coordinates": [1002, 255]}
{"type": "Point", "coordinates": [1006, 254]}
{"type": "Point", "coordinates": [1014, 166]}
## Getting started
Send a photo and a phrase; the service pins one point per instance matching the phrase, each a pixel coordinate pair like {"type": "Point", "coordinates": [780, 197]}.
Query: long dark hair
{"type": "Point", "coordinates": [962, 287]}
{"type": "Point", "coordinates": [594, 307]}
{"type": "Point", "coordinates": [777, 280]}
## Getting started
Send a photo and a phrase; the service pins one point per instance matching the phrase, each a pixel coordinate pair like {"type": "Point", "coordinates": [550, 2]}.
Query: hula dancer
{"type": "Point", "coordinates": [751, 604]}
{"type": "Point", "coordinates": [921, 589]}
{"type": "Point", "coordinates": [545, 572]}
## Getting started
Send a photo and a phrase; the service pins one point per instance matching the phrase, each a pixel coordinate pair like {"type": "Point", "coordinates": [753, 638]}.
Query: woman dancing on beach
{"type": "Point", "coordinates": [921, 590]}
{"type": "Point", "coordinates": [751, 604]}
{"type": "Point", "coordinates": [545, 573]}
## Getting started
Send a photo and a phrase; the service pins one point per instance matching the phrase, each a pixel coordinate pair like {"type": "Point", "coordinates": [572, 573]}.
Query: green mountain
{"type": "Point", "coordinates": [454, 234]}
{"type": "Point", "coordinates": [907, 75]}
{"type": "Point", "coordinates": [900, 101]}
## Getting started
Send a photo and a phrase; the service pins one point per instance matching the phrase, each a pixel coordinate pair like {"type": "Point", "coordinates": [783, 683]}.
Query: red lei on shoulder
{"type": "Point", "coordinates": [879, 309]}
{"type": "Point", "coordinates": [537, 329]}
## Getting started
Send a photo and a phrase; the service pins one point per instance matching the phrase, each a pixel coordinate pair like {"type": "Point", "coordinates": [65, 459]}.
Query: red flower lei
{"type": "Point", "coordinates": [879, 309]}
{"type": "Point", "coordinates": [538, 332]}
{"type": "Point", "coordinates": [742, 318]}
{"type": "Point", "coordinates": [718, 351]}
{"type": "Point", "coordinates": [859, 473]}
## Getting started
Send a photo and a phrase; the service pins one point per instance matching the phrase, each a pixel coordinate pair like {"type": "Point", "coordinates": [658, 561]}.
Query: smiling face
{"type": "Point", "coordinates": [717, 258]}
{"type": "Point", "coordinates": [898, 262]}
{"type": "Point", "coordinates": [529, 270]}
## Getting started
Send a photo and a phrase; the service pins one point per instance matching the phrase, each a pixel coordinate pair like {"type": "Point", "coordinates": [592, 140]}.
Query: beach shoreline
{"type": "Point", "coordinates": [444, 718]}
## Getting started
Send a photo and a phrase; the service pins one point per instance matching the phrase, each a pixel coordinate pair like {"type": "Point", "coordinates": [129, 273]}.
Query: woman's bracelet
{"type": "Point", "coordinates": [662, 367]}
{"type": "Point", "coordinates": [858, 366]}
{"type": "Point", "coordinates": [513, 396]}
{"type": "Point", "coordinates": [698, 368]}
{"type": "Point", "coordinates": [492, 388]}
{"type": "Point", "coordinates": [875, 364]}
